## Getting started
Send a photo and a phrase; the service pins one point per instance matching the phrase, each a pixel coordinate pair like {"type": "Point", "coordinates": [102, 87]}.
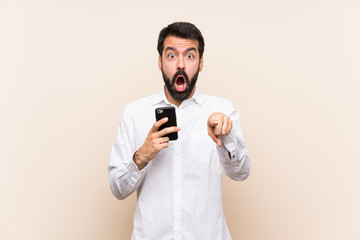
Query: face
{"type": "Point", "coordinates": [180, 64]}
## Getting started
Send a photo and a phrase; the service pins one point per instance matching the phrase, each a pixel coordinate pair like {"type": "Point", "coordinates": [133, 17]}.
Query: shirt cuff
{"type": "Point", "coordinates": [136, 174]}
{"type": "Point", "coordinates": [228, 144]}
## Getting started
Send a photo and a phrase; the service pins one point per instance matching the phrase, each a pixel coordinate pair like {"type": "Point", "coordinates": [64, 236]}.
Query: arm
{"type": "Point", "coordinates": [127, 167]}
{"type": "Point", "coordinates": [124, 175]}
{"type": "Point", "coordinates": [227, 133]}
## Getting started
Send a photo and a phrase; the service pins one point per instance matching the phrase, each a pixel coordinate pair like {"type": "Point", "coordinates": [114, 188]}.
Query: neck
{"type": "Point", "coordinates": [174, 101]}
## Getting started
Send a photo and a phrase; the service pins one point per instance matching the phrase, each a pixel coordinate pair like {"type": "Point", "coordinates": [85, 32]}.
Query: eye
{"type": "Point", "coordinates": [171, 55]}
{"type": "Point", "coordinates": [190, 56]}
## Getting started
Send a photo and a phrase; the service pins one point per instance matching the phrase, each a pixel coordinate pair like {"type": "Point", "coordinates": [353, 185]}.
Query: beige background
{"type": "Point", "coordinates": [67, 69]}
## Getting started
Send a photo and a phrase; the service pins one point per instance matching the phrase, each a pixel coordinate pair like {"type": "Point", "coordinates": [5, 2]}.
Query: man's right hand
{"type": "Point", "coordinates": [154, 142]}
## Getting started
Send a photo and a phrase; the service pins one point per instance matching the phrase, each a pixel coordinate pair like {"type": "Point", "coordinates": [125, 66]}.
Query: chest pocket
{"type": "Point", "coordinates": [202, 146]}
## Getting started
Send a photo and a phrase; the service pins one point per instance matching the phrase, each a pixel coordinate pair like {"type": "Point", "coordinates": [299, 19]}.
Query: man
{"type": "Point", "coordinates": [178, 183]}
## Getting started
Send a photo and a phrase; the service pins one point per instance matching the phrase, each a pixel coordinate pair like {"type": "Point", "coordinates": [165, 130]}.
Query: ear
{"type": "Point", "coordinates": [159, 62]}
{"type": "Point", "coordinates": [201, 63]}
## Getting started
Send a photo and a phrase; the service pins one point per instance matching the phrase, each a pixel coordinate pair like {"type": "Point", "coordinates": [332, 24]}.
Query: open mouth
{"type": "Point", "coordinates": [180, 83]}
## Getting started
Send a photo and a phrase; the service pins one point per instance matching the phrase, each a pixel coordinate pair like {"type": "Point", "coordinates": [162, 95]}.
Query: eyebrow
{"type": "Point", "coordinates": [174, 49]}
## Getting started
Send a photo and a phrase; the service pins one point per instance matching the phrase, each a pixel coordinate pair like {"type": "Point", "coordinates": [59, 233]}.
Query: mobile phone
{"type": "Point", "coordinates": [170, 113]}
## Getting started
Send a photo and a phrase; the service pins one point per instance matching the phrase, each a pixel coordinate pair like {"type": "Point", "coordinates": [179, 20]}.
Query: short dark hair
{"type": "Point", "coordinates": [183, 30]}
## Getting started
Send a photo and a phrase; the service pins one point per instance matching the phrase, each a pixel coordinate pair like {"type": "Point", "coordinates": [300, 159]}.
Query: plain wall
{"type": "Point", "coordinates": [68, 68]}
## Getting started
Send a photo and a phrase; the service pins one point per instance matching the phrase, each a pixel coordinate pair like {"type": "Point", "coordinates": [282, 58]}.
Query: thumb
{"type": "Point", "coordinates": [218, 142]}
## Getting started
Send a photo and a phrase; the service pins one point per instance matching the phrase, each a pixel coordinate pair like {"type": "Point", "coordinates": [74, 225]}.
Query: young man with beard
{"type": "Point", "coordinates": [178, 183]}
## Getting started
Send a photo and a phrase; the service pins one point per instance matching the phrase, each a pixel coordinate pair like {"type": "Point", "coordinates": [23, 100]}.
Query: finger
{"type": "Point", "coordinates": [164, 145]}
{"type": "Point", "coordinates": [217, 129]}
{"type": "Point", "coordinates": [230, 126]}
{"type": "Point", "coordinates": [218, 142]}
{"type": "Point", "coordinates": [159, 146]}
{"type": "Point", "coordinates": [213, 124]}
{"type": "Point", "coordinates": [213, 137]}
{"type": "Point", "coordinates": [168, 130]}
{"type": "Point", "coordinates": [160, 143]}
{"type": "Point", "coordinates": [161, 140]}
{"type": "Point", "coordinates": [156, 125]}
{"type": "Point", "coordinates": [224, 129]}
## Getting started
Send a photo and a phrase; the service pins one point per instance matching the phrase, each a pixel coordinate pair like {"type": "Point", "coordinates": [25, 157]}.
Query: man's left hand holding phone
{"type": "Point", "coordinates": [155, 141]}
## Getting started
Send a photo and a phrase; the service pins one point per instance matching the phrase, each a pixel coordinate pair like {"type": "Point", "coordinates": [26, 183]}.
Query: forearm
{"type": "Point", "coordinates": [234, 158]}
{"type": "Point", "coordinates": [125, 179]}
{"type": "Point", "coordinates": [233, 154]}
{"type": "Point", "coordinates": [124, 175]}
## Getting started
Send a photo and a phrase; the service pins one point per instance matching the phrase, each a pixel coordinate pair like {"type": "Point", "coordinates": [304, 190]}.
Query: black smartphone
{"type": "Point", "coordinates": [170, 113]}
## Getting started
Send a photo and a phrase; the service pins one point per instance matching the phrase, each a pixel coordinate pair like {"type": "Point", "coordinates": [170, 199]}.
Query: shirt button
{"type": "Point", "coordinates": [177, 183]}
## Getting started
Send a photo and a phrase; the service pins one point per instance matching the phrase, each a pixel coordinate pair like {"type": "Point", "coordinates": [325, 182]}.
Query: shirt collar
{"type": "Point", "coordinates": [161, 98]}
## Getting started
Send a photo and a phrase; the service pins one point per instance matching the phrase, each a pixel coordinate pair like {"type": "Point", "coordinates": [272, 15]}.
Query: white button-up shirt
{"type": "Point", "coordinates": [179, 192]}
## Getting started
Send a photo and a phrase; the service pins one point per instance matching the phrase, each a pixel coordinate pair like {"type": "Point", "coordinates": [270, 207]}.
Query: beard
{"type": "Point", "coordinates": [190, 84]}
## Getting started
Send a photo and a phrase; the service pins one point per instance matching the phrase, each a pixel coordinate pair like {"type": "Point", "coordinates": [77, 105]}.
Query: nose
{"type": "Point", "coordinates": [180, 63]}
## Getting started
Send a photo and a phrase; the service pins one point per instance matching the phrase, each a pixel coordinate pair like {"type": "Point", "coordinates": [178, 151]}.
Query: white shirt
{"type": "Point", "coordinates": [179, 192]}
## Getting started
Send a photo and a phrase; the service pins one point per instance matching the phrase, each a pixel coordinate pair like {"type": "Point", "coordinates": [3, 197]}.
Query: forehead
{"type": "Point", "coordinates": [180, 43]}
